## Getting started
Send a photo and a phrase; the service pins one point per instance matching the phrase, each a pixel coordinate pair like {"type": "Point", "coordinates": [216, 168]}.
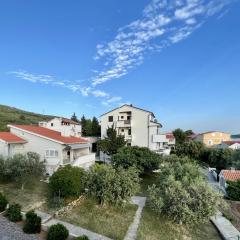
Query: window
{"type": "Point", "coordinates": [51, 153]}
{"type": "Point", "coordinates": [122, 130]}
{"type": "Point", "coordinates": [51, 124]}
{"type": "Point", "coordinates": [122, 117]}
{"type": "Point", "coordinates": [210, 142]}
{"type": "Point", "coordinates": [129, 144]}
{"type": "Point", "coordinates": [129, 131]}
{"type": "Point", "coordinates": [110, 118]}
{"type": "Point", "coordinates": [128, 117]}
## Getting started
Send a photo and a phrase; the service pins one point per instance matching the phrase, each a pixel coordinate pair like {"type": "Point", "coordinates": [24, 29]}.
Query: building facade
{"type": "Point", "coordinates": [138, 126]}
{"type": "Point", "coordinates": [54, 148]}
{"type": "Point", "coordinates": [234, 145]}
{"type": "Point", "coordinates": [212, 138]}
{"type": "Point", "coordinates": [67, 127]}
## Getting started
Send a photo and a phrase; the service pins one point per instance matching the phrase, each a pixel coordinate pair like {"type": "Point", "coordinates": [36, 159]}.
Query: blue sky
{"type": "Point", "coordinates": [179, 59]}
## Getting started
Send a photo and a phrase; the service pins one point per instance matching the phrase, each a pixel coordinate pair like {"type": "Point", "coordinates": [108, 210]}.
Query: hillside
{"type": "Point", "coordinates": [11, 115]}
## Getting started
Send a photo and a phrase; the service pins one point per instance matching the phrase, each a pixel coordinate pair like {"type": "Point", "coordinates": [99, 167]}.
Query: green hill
{"type": "Point", "coordinates": [11, 115]}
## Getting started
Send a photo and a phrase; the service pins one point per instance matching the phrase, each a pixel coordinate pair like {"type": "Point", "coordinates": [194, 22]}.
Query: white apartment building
{"type": "Point", "coordinates": [139, 126]}
{"type": "Point", "coordinates": [67, 127]}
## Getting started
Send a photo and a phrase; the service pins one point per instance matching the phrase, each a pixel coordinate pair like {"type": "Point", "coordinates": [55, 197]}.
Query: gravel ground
{"type": "Point", "coordinates": [11, 231]}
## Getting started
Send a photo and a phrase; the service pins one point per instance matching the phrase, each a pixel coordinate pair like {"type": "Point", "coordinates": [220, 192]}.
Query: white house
{"type": "Point", "coordinates": [139, 126]}
{"type": "Point", "coordinates": [54, 147]}
{"type": "Point", "coordinates": [67, 127]}
{"type": "Point", "coordinates": [235, 145]}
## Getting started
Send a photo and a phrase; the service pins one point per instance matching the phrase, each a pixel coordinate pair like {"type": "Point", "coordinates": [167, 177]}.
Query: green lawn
{"type": "Point", "coordinates": [153, 227]}
{"type": "Point", "coordinates": [108, 221]}
{"type": "Point", "coordinates": [33, 194]}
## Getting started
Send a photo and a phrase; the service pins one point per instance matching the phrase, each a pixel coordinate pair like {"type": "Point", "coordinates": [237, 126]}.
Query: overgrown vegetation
{"type": "Point", "coordinates": [90, 127]}
{"type": "Point", "coordinates": [10, 115]}
{"type": "Point", "coordinates": [3, 202]}
{"type": "Point", "coordinates": [233, 190]}
{"type": "Point", "coordinates": [112, 186]}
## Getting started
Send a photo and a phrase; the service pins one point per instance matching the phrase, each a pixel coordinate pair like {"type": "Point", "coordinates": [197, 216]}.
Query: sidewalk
{"type": "Point", "coordinates": [225, 227]}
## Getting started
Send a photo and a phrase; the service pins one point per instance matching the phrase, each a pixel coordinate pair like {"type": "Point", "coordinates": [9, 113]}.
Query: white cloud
{"type": "Point", "coordinates": [163, 23]}
{"type": "Point", "coordinates": [99, 93]}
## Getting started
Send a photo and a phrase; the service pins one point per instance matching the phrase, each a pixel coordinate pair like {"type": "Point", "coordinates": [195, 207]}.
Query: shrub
{"type": "Point", "coordinates": [67, 181]}
{"type": "Point", "coordinates": [233, 190]}
{"type": "Point", "coordinates": [141, 158]}
{"type": "Point", "coordinates": [3, 202]}
{"type": "Point", "coordinates": [14, 213]}
{"type": "Point", "coordinates": [83, 237]}
{"type": "Point", "coordinates": [57, 232]}
{"type": "Point", "coordinates": [113, 186]}
{"type": "Point", "coordinates": [32, 223]}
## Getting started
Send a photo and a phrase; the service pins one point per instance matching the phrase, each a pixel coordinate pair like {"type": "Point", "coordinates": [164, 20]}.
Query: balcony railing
{"type": "Point", "coordinates": [124, 123]}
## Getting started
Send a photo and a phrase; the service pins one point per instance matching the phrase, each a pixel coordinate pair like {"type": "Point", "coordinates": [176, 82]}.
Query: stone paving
{"type": "Point", "coordinates": [11, 231]}
{"type": "Point", "coordinates": [132, 231]}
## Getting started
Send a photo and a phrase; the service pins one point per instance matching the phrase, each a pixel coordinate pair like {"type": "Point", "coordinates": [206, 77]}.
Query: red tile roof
{"type": "Point", "coordinates": [11, 138]}
{"type": "Point", "coordinates": [170, 136]}
{"type": "Point", "coordinates": [231, 175]}
{"type": "Point", "coordinates": [54, 135]}
{"type": "Point", "coordinates": [231, 142]}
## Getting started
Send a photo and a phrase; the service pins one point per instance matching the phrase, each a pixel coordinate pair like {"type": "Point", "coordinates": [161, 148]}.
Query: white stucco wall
{"type": "Point", "coordinates": [40, 145]}
{"type": "Point", "coordinates": [3, 149]}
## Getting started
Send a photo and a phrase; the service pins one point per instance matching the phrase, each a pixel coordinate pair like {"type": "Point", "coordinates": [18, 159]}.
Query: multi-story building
{"type": "Point", "coordinates": [138, 126]}
{"type": "Point", "coordinates": [67, 127]}
{"type": "Point", "coordinates": [212, 138]}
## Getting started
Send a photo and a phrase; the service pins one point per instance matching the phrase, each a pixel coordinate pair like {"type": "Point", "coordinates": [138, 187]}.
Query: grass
{"type": "Point", "coordinates": [108, 221]}
{"type": "Point", "coordinates": [33, 194]}
{"type": "Point", "coordinates": [153, 227]}
{"type": "Point", "coordinates": [147, 180]}
{"type": "Point", "coordinates": [10, 115]}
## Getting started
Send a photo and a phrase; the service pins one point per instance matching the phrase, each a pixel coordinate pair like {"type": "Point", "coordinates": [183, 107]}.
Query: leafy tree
{"type": "Point", "coordinates": [139, 157]}
{"type": "Point", "coordinates": [190, 149]}
{"type": "Point", "coordinates": [189, 132]}
{"type": "Point", "coordinates": [220, 158]}
{"type": "Point", "coordinates": [181, 192]}
{"type": "Point", "coordinates": [111, 143]}
{"type": "Point", "coordinates": [21, 168]}
{"type": "Point", "coordinates": [180, 136]}
{"type": "Point", "coordinates": [96, 129]}
{"type": "Point", "coordinates": [67, 181]}
{"type": "Point", "coordinates": [22, 117]}
{"type": "Point", "coordinates": [74, 118]}
{"type": "Point", "coordinates": [233, 190]}
{"type": "Point", "coordinates": [112, 186]}
{"type": "Point", "coordinates": [235, 159]}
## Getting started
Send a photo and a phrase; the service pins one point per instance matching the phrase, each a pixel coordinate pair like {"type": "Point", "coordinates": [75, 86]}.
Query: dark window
{"type": "Point", "coordinates": [128, 117]}
{"type": "Point", "coordinates": [51, 124]}
{"type": "Point", "coordinates": [122, 117]}
{"type": "Point", "coordinates": [110, 118]}
{"type": "Point", "coordinates": [129, 131]}
{"type": "Point", "coordinates": [129, 144]}
{"type": "Point", "coordinates": [122, 130]}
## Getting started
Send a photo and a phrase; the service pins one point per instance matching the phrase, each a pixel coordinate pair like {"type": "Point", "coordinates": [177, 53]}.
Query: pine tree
{"type": "Point", "coordinates": [96, 129]}
{"type": "Point", "coordinates": [74, 117]}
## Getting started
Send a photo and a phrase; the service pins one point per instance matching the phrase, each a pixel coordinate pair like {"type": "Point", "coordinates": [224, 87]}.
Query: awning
{"type": "Point", "coordinates": [78, 146]}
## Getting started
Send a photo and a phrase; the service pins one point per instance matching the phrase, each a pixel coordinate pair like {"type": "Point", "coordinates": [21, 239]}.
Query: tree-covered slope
{"type": "Point", "coordinates": [11, 115]}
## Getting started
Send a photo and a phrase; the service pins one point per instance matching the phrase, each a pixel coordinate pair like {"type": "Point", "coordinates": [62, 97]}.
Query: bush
{"type": "Point", "coordinates": [3, 202]}
{"type": "Point", "coordinates": [141, 158]}
{"type": "Point", "coordinates": [233, 190]}
{"type": "Point", "coordinates": [57, 232]}
{"type": "Point", "coordinates": [67, 181]}
{"type": "Point", "coordinates": [83, 237]}
{"type": "Point", "coordinates": [181, 192]}
{"type": "Point", "coordinates": [113, 186]}
{"type": "Point", "coordinates": [32, 223]}
{"type": "Point", "coordinates": [14, 213]}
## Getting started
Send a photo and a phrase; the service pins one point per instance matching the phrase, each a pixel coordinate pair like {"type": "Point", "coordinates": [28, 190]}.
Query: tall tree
{"type": "Point", "coordinates": [74, 117]}
{"type": "Point", "coordinates": [83, 124]}
{"type": "Point", "coordinates": [111, 143]}
{"type": "Point", "coordinates": [96, 129]}
{"type": "Point", "coordinates": [180, 136]}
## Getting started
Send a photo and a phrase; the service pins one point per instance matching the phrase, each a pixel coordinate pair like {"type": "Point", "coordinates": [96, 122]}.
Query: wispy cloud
{"type": "Point", "coordinates": [112, 100]}
{"type": "Point", "coordinates": [163, 23]}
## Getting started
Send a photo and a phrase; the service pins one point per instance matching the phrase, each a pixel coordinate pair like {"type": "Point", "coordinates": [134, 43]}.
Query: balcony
{"type": "Point", "coordinates": [123, 123]}
{"type": "Point", "coordinates": [160, 138]}
{"type": "Point", "coordinates": [128, 137]}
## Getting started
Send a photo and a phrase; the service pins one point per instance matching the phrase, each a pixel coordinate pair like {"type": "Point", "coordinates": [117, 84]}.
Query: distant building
{"type": "Point", "coordinates": [228, 175]}
{"type": "Point", "coordinates": [67, 127]}
{"type": "Point", "coordinates": [212, 138]}
{"type": "Point", "coordinates": [138, 126]}
{"type": "Point", "coordinates": [234, 145]}
{"type": "Point", "coordinates": [235, 137]}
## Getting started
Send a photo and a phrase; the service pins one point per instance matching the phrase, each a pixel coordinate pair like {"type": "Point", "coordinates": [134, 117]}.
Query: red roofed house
{"type": "Point", "coordinates": [228, 175]}
{"type": "Point", "coordinates": [54, 147]}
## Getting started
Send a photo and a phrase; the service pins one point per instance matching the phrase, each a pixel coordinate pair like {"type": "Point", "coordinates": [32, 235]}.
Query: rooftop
{"type": "Point", "coordinates": [231, 175]}
{"type": "Point", "coordinates": [229, 143]}
{"type": "Point", "coordinates": [51, 134]}
{"type": "Point", "coordinates": [11, 138]}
